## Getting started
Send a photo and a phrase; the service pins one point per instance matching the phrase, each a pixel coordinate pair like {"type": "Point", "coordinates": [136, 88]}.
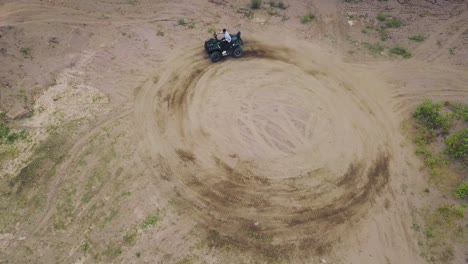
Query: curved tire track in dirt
{"type": "Point", "coordinates": [277, 151]}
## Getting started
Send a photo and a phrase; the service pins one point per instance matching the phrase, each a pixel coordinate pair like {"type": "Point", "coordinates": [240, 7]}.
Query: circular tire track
{"type": "Point", "coordinates": [275, 152]}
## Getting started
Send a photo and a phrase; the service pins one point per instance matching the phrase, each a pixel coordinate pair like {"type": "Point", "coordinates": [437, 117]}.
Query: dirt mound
{"type": "Point", "coordinates": [278, 146]}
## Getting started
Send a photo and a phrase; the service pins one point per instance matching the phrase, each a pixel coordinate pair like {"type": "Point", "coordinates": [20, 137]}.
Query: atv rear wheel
{"type": "Point", "coordinates": [215, 56]}
{"type": "Point", "coordinates": [237, 52]}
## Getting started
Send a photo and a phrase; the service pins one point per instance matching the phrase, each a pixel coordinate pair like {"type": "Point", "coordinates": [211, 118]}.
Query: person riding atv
{"type": "Point", "coordinates": [218, 48]}
{"type": "Point", "coordinates": [225, 41]}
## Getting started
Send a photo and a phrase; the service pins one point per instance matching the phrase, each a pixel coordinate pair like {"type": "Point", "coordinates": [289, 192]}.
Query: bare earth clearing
{"type": "Point", "coordinates": [140, 150]}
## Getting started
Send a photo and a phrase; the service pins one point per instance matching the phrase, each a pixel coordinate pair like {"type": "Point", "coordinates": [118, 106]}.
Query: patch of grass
{"type": "Point", "coordinates": [452, 51]}
{"type": "Point", "coordinates": [457, 144]}
{"type": "Point", "coordinates": [13, 137]}
{"type": "Point", "coordinates": [9, 137]}
{"type": "Point", "coordinates": [434, 162]}
{"type": "Point", "coordinates": [181, 22]}
{"type": "Point", "coordinates": [364, 31]}
{"type": "Point", "coordinates": [462, 191]}
{"type": "Point", "coordinates": [383, 33]}
{"type": "Point", "coordinates": [279, 4]}
{"type": "Point", "coordinates": [393, 23]}
{"type": "Point", "coordinates": [255, 4]}
{"type": "Point", "coordinates": [211, 30]}
{"type": "Point", "coordinates": [375, 48]}
{"type": "Point", "coordinates": [418, 38]}
{"type": "Point", "coordinates": [381, 17]}
{"type": "Point", "coordinates": [307, 18]}
{"type": "Point", "coordinates": [191, 26]}
{"type": "Point", "coordinates": [272, 12]}
{"type": "Point", "coordinates": [85, 247]}
{"type": "Point", "coordinates": [45, 159]}
{"type": "Point", "coordinates": [25, 51]}
{"type": "Point", "coordinates": [429, 232]}
{"type": "Point", "coordinates": [398, 50]}
{"type": "Point", "coordinates": [151, 220]}
{"type": "Point", "coordinates": [131, 236]}
{"type": "Point", "coordinates": [450, 212]}
{"type": "Point", "coordinates": [112, 252]}
{"type": "Point", "coordinates": [4, 131]}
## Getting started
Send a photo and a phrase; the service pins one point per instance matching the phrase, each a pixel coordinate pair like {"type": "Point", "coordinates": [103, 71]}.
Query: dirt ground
{"type": "Point", "coordinates": [140, 150]}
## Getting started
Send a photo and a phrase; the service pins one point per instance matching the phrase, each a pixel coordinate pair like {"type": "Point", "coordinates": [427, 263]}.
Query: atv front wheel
{"type": "Point", "coordinates": [215, 56]}
{"type": "Point", "coordinates": [237, 52]}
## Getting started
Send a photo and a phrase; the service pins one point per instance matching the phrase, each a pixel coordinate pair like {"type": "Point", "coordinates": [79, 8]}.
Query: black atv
{"type": "Point", "coordinates": [213, 47]}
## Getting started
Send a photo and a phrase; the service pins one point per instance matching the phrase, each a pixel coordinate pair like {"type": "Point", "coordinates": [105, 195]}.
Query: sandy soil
{"type": "Point", "coordinates": [143, 151]}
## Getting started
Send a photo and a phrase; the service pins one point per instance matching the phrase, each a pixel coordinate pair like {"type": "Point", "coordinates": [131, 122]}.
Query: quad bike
{"type": "Point", "coordinates": [214, 50]}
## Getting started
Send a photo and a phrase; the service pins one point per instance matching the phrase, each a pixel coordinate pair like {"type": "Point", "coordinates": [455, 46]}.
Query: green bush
{"type": "Point", "coordinates": [461, 112]}
{"type": "Point", "coordinates": [462, 191]}
{"type": "Point", "coordinates": [181, 22]}
{"type": "Point", "coordinates": [255, 4]}
{"type": "Point", "coordinates": [458, 144]}
{"type": "Point", "coordinates": [393, 23]}
{"type": "Point", "coordinates": [428, 115]}
{"type": "Point", "coordinates": [418, 38]}
{"type": "Point", "coordinates": [307, 18]}
{"type": "Point", "coordinates": [381, 16]}
{"type": "Point", "coordinates": [398, 50]}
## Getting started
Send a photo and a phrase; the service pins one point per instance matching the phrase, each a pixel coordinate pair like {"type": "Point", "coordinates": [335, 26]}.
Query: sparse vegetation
{"type": "Point", "coordinates": [364, 31]}
{"type": "Point", "coordinates": [278, 4]}
{"type": "Point", "coordinates": [130, 236]}
{"type": "Point", "coordinates": [393, 23]}
{"type": "Point", "coordinates": [434, 125]}
{"type": "Point", "coordinates": [307, 18]}
{"type": "Point", "coordinates": [191, 26]}
{"type": "Point", "coordinates": [452, 51]}
{"type": "Point", "coordinates": [383, 33]}
{"type": "Point", "coordinates": [181, 22]}
{"type": "Point", "coordinates": [273, 12]}
{"type": "Point", "coordinates": [418, 38]}
{"type": "Point", "coordinates": [6, 134]}
{"type": "Point", "coordinates": [462, 191]}
{"type": "Point", "coordinates": [112, 252]}
{"type": "Point", "coordinates": [381, 17]}
{"type": "Point", "coordinates": [457, 144]}
{"type": "Point", "coordinates": [160, 33]}
{"type": "Point", "coordinates": [255, 4]}
{"type": "Point", "coordinates": [399, 50]}
{"type": "Point", "coordinates": [85, 247]}
{"type": "Point", "coordinates": [451, 212]}
{"type": "Point", "coordinates": [26, 52]}
{"type": "Point", "coordinates": [375, 48]}
{"type": "Point", "coordinates": [150, 221]}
